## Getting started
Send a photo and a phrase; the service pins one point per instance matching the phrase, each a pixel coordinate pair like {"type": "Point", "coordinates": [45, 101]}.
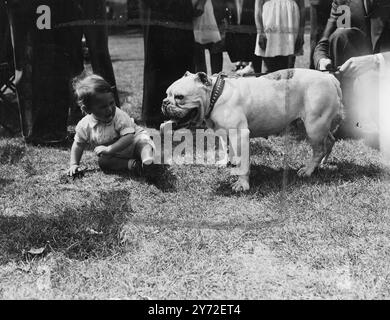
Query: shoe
{"type": "Point", "coordinates": [135, 167]}
{"type": "Point", "coordinates": [148, 161]}
{"type": "Point", "coordinates": [239, 66]}
{"type": "Point", "coordinates": [248, 70]}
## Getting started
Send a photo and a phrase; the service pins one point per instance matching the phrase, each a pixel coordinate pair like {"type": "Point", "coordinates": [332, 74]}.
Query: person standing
{"type": "Point", "coordinates": [367, 34]}
{"type": "Point", "coordinates": [42, 59]}
{"type": "Point", "coordinates": [96, 36]}
{"type": "Point", "coordinates": [208, 36]}
{"type": "Point", "coordinates": [5, 36]}
{"type": "Point", "coordinates": [280, 26]}
{"type": "Point", "coordinates": [319, 15]}
{"type": "Point", "coordinates": [169, 47]}
{"type": "Point", "coordinates": [241, 34]}
{"type": "Point", "coordinates": [46, 59]}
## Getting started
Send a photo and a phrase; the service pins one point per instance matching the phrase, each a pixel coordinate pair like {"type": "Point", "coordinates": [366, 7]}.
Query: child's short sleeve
{"type": "Point", "coordinates": [123, 123]}
{"type": "Point", "coordinates": [81, 135]}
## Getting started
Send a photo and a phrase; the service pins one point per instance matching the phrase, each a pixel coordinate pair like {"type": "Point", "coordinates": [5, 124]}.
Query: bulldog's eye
{"type": "Point", "coordinates": [179, 97]}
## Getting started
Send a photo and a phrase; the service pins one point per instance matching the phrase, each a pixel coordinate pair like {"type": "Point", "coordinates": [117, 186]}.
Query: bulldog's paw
{"type": "Point", "coordinates": [222, 163]}
{"type": "Point", "coordinates": [306, 171]}
{"type": "Point", "coordinates": [241, 185]}
{"type": "Point", "coordinates": [238, 171]}
{"type": "Point", "coordinates": [235, 161]}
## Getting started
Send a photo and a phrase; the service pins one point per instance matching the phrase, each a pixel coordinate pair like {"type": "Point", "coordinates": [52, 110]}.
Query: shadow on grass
{"type": "Point", "coordinates": [265, 180]}
{"type": "Point", "coordinates": [159, 176]}
{"type": "Point", "coordinates": [5, 182]}
{"type": "Point", "coordinates": [11, 152]}
{"type": "Point", "coordinates": [80, 233]}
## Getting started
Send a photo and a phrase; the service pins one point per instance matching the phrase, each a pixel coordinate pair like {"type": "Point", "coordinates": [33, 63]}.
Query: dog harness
{"type": "Point", "coordinates": [216, 92]}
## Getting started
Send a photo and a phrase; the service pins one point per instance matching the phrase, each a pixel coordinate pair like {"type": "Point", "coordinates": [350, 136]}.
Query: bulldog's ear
{"type": "Point", "coordinates": [203, 77]}
{"type": "Point", "coordinates": [187, 74]}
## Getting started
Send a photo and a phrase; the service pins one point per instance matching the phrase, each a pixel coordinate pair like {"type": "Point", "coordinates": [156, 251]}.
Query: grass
{"type": "Point", "coordinates": [181, 233]}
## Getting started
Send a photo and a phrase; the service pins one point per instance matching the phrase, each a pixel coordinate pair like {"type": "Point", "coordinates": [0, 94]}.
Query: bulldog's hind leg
{"type": "Point", "coordinates": [330, 139]}
{"type": "Point", "coordinates": [329, 143]}
{"type": "Point", "coordinates": [318, 134]}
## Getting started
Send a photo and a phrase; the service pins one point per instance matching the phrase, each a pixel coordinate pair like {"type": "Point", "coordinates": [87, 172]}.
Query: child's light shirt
{"type": "Point", "coordinates": [96, 133]}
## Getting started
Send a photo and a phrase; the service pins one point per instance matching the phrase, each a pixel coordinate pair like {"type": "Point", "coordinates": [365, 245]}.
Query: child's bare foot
{"type": "Point", "coordinates": [147, 155]}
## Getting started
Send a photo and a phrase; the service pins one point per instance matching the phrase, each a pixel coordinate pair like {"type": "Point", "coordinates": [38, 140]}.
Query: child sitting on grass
{"type": "Point", "coordinates": [118, 142]}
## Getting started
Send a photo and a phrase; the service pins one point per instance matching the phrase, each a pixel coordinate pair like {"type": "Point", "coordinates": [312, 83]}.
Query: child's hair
{"type": "Point", "coordinates": [87, 86]}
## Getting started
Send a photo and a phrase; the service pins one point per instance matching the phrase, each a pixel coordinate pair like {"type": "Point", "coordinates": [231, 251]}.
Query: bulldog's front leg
{"type": "Point", "coordinates": [239, 142]}
{"type": "Point", "coordinates": [223, 155]}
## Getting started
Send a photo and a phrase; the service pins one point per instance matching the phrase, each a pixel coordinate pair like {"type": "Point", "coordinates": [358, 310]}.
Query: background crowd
{"type": "Point", "coordinates": [258, 35]}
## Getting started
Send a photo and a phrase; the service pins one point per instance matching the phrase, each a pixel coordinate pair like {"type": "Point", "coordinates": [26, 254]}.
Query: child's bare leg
{"type": "Point", "coordinates": [145, 152]}
{"type": "Point", "coordinates": [113, 163]}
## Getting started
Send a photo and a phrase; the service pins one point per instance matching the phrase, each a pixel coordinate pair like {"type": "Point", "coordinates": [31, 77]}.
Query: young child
{"type": "Point", "coordinates": [118, 142]}
{"type": "Point", "coordinates": [280, 26]}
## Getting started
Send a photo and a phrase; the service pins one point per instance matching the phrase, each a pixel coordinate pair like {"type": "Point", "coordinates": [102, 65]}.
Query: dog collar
{"type": "Point", "coordinates": [216, 92]}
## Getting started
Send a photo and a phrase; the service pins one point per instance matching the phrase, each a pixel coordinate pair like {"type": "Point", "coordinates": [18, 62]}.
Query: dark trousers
{"type": "Point", "coordinates": [46, 60]}
{"type": "Point", "coordinates": [343, 45]}
{"type": "Point", "coordinates": [168, 55]}
{"type": "Point", "coordinates": [273, 64]}
{"type": "Point", "coordinates": [97, 42]}
{"type": "Point", "coordinates": [319, 15]}
{"type": "Point", "coordinates": [216, 59]}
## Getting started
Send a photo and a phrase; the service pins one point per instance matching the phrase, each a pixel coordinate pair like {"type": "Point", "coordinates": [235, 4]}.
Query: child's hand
{"type": "Point", "coordinates": [73, 170]}
{"type": "Point", "coordinates": [199, 8]}
{"type": "Point", "coordinates": [263, 41]}
{"type": "Point", "coordinates": [102, 150]}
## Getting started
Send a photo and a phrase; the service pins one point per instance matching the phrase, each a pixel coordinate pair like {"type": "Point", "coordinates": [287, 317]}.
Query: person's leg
{"type": "Point", "coordinates": [268, 64]}
{"type": "Point", "coordinates": [145, 152]}
{"type": "Point", "coordinates": [291, 62]}
{"type": "Point", "coordinates": [319, 15]}
{"type": "Point", "coordinates": [273, 64]}
{"type": "Point", "coordinates": [257, 62]}
{"type": "Point", "coordinates": [168, 55]}
{"type": "Point", "coordinates": [21, 25]}
{"type": "Point", "coordinates": [113, 163]}
{"type": "Point", "coordinates": [216, 61]}
{"type": "Point", "coordinates": [97, 42]}
{"type": "Point", "coordinates": [199, 58]}
{"type": "Point", "coordinates": [153, 89]}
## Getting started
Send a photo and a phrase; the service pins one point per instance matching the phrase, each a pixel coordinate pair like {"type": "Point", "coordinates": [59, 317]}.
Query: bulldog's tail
{"type": "Point", "coordinates": [340, 116]}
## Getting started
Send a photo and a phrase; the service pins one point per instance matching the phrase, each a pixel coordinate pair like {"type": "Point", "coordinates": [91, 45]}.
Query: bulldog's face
{"type": "Point", "coordinates": [187, 98]}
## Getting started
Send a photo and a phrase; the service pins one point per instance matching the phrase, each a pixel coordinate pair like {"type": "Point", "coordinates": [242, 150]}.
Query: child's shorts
{"type": "Point", "coordinates": [131, 151]}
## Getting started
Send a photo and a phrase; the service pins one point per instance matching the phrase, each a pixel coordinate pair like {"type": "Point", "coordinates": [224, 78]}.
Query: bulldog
{"type": "Point", "coordinates": [259, 107]}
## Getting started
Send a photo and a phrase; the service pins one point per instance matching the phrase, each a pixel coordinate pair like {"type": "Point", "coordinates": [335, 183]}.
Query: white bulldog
{"type": "Point", "coordinates": [259, 107]}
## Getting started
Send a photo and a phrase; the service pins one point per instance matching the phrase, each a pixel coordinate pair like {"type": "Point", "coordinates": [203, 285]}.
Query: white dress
{"type": "Point", "coordinates": [205, 27]}
{"type": "Point", "coordinates": [281, 27]}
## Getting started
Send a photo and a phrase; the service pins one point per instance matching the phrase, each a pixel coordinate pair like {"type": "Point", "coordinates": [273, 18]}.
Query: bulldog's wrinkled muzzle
{"type": "Point", "coordinates": [164, 106]}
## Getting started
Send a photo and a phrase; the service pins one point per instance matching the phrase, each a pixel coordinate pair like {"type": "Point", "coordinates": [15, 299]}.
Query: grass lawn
{"type": "Point", "coordinates": [181, 233]}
